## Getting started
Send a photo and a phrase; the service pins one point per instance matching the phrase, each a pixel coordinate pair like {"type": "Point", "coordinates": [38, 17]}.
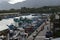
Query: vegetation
{"type": "Point", "coordinates": [52, 17]}
{"type": "Point", "coordinates": [45, 9]}
{"type": "Point", "coordinates": [10, 11]}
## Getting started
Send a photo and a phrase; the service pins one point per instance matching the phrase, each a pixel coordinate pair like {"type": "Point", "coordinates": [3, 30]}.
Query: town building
{"type": "Point", "coordinates": [56, 26]}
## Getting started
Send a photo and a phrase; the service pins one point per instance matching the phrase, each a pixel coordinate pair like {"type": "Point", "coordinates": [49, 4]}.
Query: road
{"type": "Point", "coordinates": [41, 34]}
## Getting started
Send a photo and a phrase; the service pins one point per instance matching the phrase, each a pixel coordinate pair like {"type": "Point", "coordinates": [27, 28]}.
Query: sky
{"type": "Point", "coordinates": [8, 4]}
{"type": "Point", "coordinates": [42, 1]}
{"type": "Point", "coordinates": [12, 1]}
{"type": "Point", "coordinates": [15, 1]}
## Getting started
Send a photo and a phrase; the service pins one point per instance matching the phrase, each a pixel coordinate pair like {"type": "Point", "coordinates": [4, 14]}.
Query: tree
{"type": "Point", "coordinates": [52, 17]}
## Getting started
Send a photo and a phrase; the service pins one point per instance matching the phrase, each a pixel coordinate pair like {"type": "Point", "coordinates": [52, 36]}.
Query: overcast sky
{"type": "Point", "coordinates": [12, 1]}
{"type": "Point", "coordinates": [16, 1]}
{"type": "Point", "coordinates": [6, 4]}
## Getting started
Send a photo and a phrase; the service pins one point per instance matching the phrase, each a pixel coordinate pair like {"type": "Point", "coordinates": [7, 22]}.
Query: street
{"type": "Point", "coordinates": [41, 34]}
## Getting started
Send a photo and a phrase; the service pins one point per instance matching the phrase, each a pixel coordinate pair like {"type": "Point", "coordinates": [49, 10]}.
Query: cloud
{"type": "Point", "coordinates": [15, 1]}
{"type": "Point", "coordinates": [4, 1]}
{"type": "Point", "coordinates": [12, 1]}
{"type": "Point", "coordinates": [17, 4]}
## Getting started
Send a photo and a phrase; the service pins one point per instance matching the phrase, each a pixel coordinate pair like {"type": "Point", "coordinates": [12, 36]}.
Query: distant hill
{"type": "Point", "coordinates": [45, 9]}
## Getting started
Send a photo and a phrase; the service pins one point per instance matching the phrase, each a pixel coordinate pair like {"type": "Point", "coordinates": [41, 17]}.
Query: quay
{"type": "Point", "coordinates": [39, 29]}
